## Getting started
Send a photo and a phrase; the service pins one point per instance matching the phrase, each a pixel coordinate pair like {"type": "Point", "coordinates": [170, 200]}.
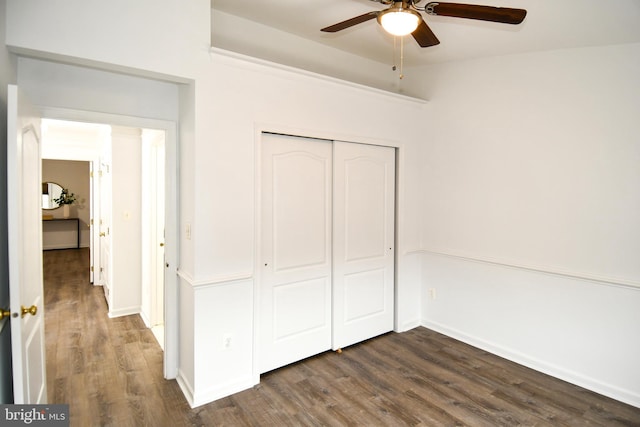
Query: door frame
{"type": "Point", "coordinates": [172, 250]}
{"type": "Point", "coordinates": [259, 130]}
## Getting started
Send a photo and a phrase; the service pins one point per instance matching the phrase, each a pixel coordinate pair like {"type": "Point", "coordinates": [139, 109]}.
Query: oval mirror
{"type": "Point", "coordinates": [50, 191]}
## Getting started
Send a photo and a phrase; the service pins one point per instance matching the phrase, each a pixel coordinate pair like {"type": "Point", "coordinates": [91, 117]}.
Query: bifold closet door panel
{"type": "Point", "coordinates": [363, 242]}
{"type": "Point", "coordinates": [296, 215]}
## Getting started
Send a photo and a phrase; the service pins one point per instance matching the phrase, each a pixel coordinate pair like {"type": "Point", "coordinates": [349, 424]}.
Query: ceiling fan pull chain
{"type": "Point", "coordinates": [401, 57]}
{"type": "Point", "coordinates": [394, 67]}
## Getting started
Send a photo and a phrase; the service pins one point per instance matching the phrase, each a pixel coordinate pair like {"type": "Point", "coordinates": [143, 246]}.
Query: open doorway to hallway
{"type": "Point", "coordinates": [125, 228]}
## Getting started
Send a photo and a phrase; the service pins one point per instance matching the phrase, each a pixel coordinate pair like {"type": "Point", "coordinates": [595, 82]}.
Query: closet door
{"type": "Point", "coordinates": [363, 242]}
{"type": "Point", "coordinates": [295, 289]}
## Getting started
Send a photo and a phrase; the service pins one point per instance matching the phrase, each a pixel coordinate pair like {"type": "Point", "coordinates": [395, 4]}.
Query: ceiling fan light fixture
{"type": "Point", "coordinates": [399, 21]}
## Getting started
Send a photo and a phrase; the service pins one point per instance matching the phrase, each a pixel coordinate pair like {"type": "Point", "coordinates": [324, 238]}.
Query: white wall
{"type": "Point", "coordinates": [126, 225]}
{"type": "Point", "coordinates": [235, 34]}
{"type": "Point", "coordinates": [525, 161]}
{"type": "Point", "coordinates": [245, 98]}
{"type": "Point", "coordinates": [162, 39]}
{"type": "Point", "coordinates": [223, 104]}
{"type": "Point", "coordinates": [67, 86]}
{"type": "Point", "coordinates": [532, 167]}
{"type": "Point", "coordinates": [242, 100]}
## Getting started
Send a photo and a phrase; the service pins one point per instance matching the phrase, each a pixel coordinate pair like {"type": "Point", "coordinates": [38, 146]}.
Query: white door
{"type": "Point", "coordinates": [363, 242]}
{"type": "Point", "coordinates": [158, 292]}
{"type": "Point", "coordinates": [295, 291]}
{"type": "Point", "coordinates": [104, 224]}
{"type": "Point", "coordinates": [93, 203]}
{"type": "Point", "coordinates": [25, 250]}
{"type": "Point", "coordinates": [153, 209]}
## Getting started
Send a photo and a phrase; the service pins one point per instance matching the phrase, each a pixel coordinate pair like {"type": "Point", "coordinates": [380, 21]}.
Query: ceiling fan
{"type": "Point", "coordinates": [403, 17]}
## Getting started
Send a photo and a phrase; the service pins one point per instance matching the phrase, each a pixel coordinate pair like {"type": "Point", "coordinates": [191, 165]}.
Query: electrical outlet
{"type": "Point", "coordinates": [432, 293]}
{"type": "Point", "coordinates": [226, 342]}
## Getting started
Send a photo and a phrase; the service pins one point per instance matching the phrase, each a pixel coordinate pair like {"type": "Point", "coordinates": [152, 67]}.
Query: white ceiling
{"type": "Point", "coordinates": [549, 25]}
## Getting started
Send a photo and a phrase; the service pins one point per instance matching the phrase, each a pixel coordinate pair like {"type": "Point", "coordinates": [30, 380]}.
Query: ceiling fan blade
{"type": "Point", "coordinates": [350, 22]}
{"type": "Point", "coordinates": [424, 36]}
{"type": "Point", "coordinates": [503, 15]}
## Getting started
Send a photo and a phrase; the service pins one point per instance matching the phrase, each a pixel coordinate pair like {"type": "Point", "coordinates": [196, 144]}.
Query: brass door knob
{"type": "Point", "coordinates": [31, 310]}
{"type": "Point", "coordinates": [4, 313]}
{"type": "Point", "coordinates": [161, 245]}
{"type": "Point", "coordinates": [103, 234]}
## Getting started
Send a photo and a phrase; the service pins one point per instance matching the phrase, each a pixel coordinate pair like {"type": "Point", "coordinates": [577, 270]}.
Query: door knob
{"type": "Point", "coordinates": [4, 313]}
{"type": "Point", "coordinates": [31, 310]}
{"type": "Point", "coordinates": [102, 234]}
{"type": "Point", "coordinates": [161, 245]}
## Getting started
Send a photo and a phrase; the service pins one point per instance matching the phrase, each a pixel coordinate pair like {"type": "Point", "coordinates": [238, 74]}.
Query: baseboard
{"type": "Point", "coordinates": [407, 326]}
{"type": "Point", "coordinates": [626, 396]}
{"type": "Point", "coordinates": [62, 246]}
{"type": "Point", "coordinates": [145, 319]}
{"type": "Point", "coordinates": [127, 311]}
{"type": "Point", "coordinates": [185, 386]}
{"type": "Point", "coordinates": [196, 399]}
{"type": "Point", "coordinates": [223, 390]}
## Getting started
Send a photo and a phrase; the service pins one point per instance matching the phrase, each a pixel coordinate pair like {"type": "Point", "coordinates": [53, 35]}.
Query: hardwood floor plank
{"type": "Point", "coordinates": [110, 373]}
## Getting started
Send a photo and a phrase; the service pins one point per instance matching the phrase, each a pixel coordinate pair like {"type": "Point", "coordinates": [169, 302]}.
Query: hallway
{"type": "Point", "coordinates": [108, 370]}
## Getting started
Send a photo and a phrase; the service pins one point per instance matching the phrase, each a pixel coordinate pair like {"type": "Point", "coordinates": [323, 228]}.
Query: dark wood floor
{"type": "Point", "coordinates": [110, 373]}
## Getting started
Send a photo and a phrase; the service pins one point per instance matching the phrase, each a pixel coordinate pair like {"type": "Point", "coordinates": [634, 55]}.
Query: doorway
{"type": "Point", "coordinates": [66, 226]}
{"type": "Point", "coordinates": [162, 211]}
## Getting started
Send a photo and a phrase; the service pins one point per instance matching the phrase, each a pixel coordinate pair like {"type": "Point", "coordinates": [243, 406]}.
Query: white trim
{"type": "Point", "coordinates": [601, 280]}
{"type": "Point", "coordinates": [105, 66]}
{"type": "Point", "coordinates": [257, 242]}
{"type": "Point", "coordinates": [213, 281]}
{"type": "Point", "coordinates": [407, 326]}
{"type": "Point", "coordinates": [623, 395]}
{"type": "Point", "coordinates": [127, 311]}
{"type": "Point", "coordinates": [220, 391]}
{"type": "Point", "coordinates": [104, 118]}
{"type": "Point", "coordinates": [250, 60]}
{"type": "Point", "coordinates": [145, 319]}
{"type": "Point", "coordinates": [331, 136]}
{"type": "Point", "coordinates": [213, 393]}
{"type": "Point", "coordinates": [185, 386]}
{"type": "Point", "coordinates": [63, 246]}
